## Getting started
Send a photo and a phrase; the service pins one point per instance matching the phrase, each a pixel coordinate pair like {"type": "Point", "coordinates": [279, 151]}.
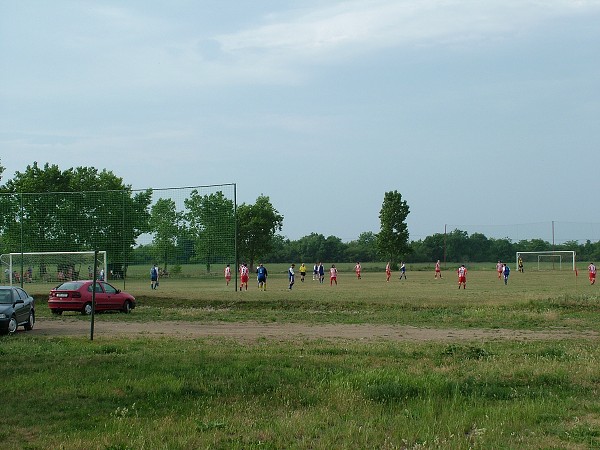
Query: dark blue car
{"type": "Point", "coordinates": [17, 308]}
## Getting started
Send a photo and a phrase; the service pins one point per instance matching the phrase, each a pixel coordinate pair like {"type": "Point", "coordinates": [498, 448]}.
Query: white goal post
{"type": "Point", "coordinates": [19, 266]}
{"type": "Point", "coordinates": [553, 256]}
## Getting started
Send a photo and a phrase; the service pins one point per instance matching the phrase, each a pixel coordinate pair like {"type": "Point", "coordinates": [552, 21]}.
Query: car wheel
{"type": "Point", "coordinates": [127, 307]}
{"type": "Point", "coordinates": [30, 322]}
{"type": "Point", "coordinates": [87, 309]}
{"type": "Point", "coordinates": [12, 325]}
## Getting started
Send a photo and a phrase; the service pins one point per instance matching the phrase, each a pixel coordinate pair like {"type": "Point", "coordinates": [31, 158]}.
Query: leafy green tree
{"type": "Point", "coordinates": [362, 249]}
{"type": "Point", "coordinates": [534, 245]}
{"type": "Point", "coordinates": [501, 249]}
{"type": "Point", "coordinates": [392, 240]}
{"type": "Point", "coordinates": [256, 226]}
{"type": "Point", "coordinates": [479, 247]}
{"type": "Point", "coordinates": [211, 222]}
{"type": "Point", "coordinates": [165, 223]}
{"type": "Point", "coordinates": [309, 248]}
{"type": "Point", "coordinates": [46, 209]}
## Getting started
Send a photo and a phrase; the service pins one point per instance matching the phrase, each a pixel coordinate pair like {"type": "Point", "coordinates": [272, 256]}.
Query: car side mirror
{"type": "Point", "coordinates": [19, 301]}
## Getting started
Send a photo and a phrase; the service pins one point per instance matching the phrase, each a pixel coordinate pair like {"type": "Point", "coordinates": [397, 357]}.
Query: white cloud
{"type": "Point", "coordinates": [354, 27]}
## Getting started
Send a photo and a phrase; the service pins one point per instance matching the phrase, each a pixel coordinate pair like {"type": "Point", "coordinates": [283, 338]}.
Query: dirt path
{"type": "Point", "coordinates": [252, 330]}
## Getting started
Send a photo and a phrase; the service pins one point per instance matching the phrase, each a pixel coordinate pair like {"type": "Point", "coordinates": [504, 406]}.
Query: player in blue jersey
{"type": "Point", "coordinates": [261, 276]}
{"type": "Point", "coordinates": [291, 276]}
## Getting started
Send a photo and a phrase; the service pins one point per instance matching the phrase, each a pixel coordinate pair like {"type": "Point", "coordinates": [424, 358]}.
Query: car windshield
{"type": "Point", "coordinates": [69, 286]}
{"type": "Point", "coordinates": [5, 296]}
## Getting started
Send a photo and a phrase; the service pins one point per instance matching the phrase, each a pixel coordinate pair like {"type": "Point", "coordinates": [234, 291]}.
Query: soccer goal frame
{"type": "Point", "coordinates": [550, 254]}
{"type": "Point", "coordinates": [21, 269]}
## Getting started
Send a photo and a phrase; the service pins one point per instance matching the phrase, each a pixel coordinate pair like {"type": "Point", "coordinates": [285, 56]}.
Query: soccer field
{"type": "Point", "coordinates": [161, 391]}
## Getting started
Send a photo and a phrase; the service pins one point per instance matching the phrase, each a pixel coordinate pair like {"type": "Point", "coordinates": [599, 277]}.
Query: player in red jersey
{"type": "Point", "coordinates": [499, 268]}
{"type": "Point", "coordinates": [462, 276]}
{"type": "Point", "coordinates": [438, 270]}
{"type": "Point", "coordinates": [332, 275]}
{"type": "Point", "coordinates": [592, 273]}
{"type": "Point", "coordinates": [357, 269]}
{"type": "Point", "coordinates": [244, 274]}
{"type": "Point", "coordinates": [228, 274]}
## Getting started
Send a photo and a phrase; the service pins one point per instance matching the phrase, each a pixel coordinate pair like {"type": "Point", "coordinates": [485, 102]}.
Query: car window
{"type": "Point", "coordinates": [22, 293]}
{"type": "Point", "coordinates": [109, 289]}
{"type": "Point", "coordinates": [5, 296]}
{"type": "Point", "coordinates": [69, 286]}
{"type": "Point", "coordinates": [98, 288]}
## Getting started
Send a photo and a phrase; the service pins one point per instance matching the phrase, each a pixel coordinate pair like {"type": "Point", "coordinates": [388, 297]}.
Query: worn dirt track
{"type": "Point", "coordinates": [247, 331]}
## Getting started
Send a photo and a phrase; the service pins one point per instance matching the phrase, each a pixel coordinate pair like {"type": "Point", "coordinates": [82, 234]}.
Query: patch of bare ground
{"type": "Point", "coordinates": [284, 331]}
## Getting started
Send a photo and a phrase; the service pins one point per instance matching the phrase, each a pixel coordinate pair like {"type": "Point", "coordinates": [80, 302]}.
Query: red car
{"type": "Point", "coordinates": [77, 296]}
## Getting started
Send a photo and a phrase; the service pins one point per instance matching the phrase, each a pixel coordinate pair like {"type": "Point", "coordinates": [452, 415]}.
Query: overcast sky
{"type": "Point", "coordinates": [482, 114]}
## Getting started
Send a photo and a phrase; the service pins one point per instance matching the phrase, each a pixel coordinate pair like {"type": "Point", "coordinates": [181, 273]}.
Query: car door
{"type": "Point", "coordinates": [102, 302]}
{"type": "Point", "coordinates": [112, 297]}
{"type": "Point", "coordinates": [21, 305]}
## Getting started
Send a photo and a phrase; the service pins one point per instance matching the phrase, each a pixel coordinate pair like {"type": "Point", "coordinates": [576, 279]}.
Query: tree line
{"type": "Point", "coordinates": [80, 209]}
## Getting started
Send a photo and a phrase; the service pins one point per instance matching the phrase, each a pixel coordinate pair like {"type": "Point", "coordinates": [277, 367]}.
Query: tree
{"type": "Point", "coordinates": [256, 226]}
{"type": "Point", "coordinates": [392, 240]}
{"type": "Point", "coordinates": [165, 222]}
{"type": "Point", "coordinates": [46, 209]}
{"type": "Point", "coordinates": [211, 223]}
{"type": "Point", "coordinates": [363, 249]}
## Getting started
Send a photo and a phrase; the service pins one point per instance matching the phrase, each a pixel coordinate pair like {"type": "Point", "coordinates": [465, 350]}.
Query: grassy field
{"type": "Point", "coordinates": [152, 393]}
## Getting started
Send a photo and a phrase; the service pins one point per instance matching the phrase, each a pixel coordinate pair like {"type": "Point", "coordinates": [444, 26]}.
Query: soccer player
{"type": "Point", "coordinates": [438, 270]}
{"type": "Point", "coordinates": [499, 268]}
{"type": "Point", "coordinates": [227, 274]}
{"type": "Point", "coordinates": [402, 270]}
{"type": "Point", "coordinates": [244, 275]}
{"type": "Point", "coordinates": [357, 269]}
{"type": "Point", "coordinates": [462, 276]}
{"type": "Point", "coordinates": [520, 269]}
{"type": "Point", "coordinates": [261, 276]}
{"type": "Point", "coordinates": [592, 273]}
{"type": "Point", "coordinates": [321, 273]}
{"type": "Point", "coordinates": [153, 276]}
{"type": "Point", "coordinates": [315, 272]}
{"type": "Point", "coordinates": [302, 272]}
{"type": "Point", "coordinates": [333, 275]}
{"type": "Point", "coordinates": [291, 276]}
{"type": "Point", "coordinates": [388, 272]}
{"type": "Point", "coordinates": [505, 272]}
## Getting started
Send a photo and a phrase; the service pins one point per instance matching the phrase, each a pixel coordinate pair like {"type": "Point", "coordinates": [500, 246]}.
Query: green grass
{"type": "Point", "coordinates": [116, 393]}
{"type": "Point", "coordinates": [531, 301]}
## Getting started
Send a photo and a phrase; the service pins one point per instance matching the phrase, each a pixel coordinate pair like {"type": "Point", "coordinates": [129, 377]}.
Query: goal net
{"type": "Point", "coordinates": [52, 267]}
{"type": "Point", "coordinates": [547, 260]}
